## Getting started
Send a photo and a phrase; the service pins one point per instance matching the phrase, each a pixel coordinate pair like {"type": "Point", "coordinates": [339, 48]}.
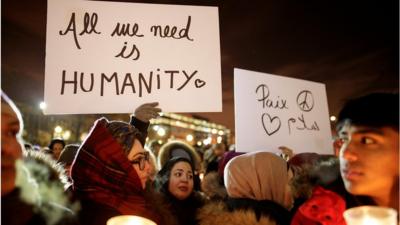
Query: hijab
{"type": "Point", "coordinates": [101, 171]}
{"type": "Point", "coordinates": [258, 176]}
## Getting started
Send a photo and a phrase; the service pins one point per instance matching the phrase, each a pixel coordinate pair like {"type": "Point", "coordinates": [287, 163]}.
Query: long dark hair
{"type": "Point", "coordinates": [162, 179]}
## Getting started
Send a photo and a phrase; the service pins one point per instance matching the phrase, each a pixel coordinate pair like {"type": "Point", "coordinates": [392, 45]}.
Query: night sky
{"type": "Point", "coordinates": [350, 46]}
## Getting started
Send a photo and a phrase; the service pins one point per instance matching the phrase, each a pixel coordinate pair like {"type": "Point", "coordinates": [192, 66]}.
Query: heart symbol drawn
{"type": "Point", "coordinates": [268, 122]}
{"type": "Point", "coordinates": [199, 83]}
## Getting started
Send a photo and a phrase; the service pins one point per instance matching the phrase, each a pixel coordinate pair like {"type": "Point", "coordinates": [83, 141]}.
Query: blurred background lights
{"type": "Point", "coordinates": [66, 135]}
{"type": "Point", "coordinates": [58, 129]}
{"type": "Point", "coordinates": [189, 137]}
{"type": "Point", "coordinates": [156, 127]}
{"type": "Point", "coordinates": [161, 132]}
{"type": "Point", "coordinates": [83, 136]}
{"type": "Point", "coordinates": [207, 141]}
{"type": "Point", "coordinates": [42, 105]}
{"type": "Point", "coordinates": [201, 176]}
{"type": "Point", "coordinates": [333, 118]}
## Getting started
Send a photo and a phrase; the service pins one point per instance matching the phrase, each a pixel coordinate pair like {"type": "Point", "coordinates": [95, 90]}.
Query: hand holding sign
{"type": "Point", "coordinates": [147, 111]}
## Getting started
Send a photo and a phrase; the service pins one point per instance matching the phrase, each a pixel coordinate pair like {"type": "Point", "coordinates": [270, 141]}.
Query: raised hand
{"type": "Point", "coordinates": [147, 111]}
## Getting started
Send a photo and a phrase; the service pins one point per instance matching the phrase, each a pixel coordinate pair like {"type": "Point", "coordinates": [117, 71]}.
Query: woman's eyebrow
{"type": "Point", "coordinates": [181, 170]}
{"type": "Point", "coordinates": [140, 153]}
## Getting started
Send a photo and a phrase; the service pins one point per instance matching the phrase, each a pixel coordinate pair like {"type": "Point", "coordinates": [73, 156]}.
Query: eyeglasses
{"type": "Point", "coordinates": [145, 156]}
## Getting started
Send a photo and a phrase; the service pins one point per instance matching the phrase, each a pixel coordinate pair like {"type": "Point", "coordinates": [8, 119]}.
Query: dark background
{"type": "Point", "coordinates": [350, 46]}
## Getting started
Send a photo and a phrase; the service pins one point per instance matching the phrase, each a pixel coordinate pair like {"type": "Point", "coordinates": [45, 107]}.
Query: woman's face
{"type": "Point", "coordinates": [140, 161]}
{"type": "Point", "coordinates": [181, 180]}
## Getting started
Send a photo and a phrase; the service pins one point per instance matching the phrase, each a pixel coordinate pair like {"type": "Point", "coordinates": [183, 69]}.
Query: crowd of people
{"type": "Point", "coordinates": [115, 172]}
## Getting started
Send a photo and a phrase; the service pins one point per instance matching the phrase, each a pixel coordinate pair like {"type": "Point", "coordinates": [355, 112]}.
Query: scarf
{"type": "Point", "coordinates": [258, 176]}
{"type": "Point", "coordinates": [102, 172]}
{"type": "Point", "coordinates": [323, 208]}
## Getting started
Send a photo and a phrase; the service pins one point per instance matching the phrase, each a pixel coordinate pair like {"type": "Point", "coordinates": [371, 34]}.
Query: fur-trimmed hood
{"type": "Point", "coordinates": [213, 187]}
{"type": "Point", "coordinates": [41, 184]}
{"type": "Point", "coordinates": [217, 213]}
{"type": "Point", "coordinates": [161, 206]}
{"type": "Point", "coordinates": [166, 152]}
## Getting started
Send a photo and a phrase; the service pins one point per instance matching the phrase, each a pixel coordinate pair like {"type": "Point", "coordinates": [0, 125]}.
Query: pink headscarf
{"type": "Point", "coordinates": [258, 175]}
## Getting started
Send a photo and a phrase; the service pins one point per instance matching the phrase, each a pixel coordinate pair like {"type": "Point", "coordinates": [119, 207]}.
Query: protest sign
{"type": "Point", "coordinates": [110, 57]}
{"type": "Point", "coordinates": [273, 111]}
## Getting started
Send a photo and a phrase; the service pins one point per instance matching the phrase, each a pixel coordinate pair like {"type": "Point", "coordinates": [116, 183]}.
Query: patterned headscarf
{"type": "Point", "coordinates": [258, 176]}
{"type": "Point", "coordinates": [124, 134]}
{"type": "Point", "coordinates": [101, 171]}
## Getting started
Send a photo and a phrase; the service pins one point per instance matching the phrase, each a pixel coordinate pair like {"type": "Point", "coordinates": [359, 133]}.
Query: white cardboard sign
{"type": "Point", "coordinates": [273, 111]}
{"type": "Point", "coordinates": [109, 57]}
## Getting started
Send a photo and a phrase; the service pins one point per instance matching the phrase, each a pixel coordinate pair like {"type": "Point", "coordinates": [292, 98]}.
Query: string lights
{"type": "Point", "coordinates": [193, 130]}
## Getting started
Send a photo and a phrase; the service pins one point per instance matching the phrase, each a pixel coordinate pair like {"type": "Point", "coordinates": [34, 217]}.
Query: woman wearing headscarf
{"type": "Point", "coordinates": [258, 192]}
{"type": "Point", "coordinates": [212, 184]}
{"type": "Point", "coordinates": [175, 182]}
{"type": "Point", "coordinates": [109, 175]}
{"type": "Point", "coordinates": [177, 148]}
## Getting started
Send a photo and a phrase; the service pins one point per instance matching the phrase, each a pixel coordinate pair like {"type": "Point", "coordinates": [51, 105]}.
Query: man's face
{"type": "Point", "coordinates": [369, 159]}
{"type": "Point", "coordinates": [11, 148]}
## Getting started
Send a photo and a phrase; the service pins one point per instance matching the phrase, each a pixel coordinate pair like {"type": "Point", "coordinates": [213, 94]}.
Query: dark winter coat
{"type": "Point", "coordinates": [185, 210]}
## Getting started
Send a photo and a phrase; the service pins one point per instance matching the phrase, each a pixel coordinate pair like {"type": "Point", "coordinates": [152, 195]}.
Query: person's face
{"type": "Point", "coordinates": [11, 148]}
{"type": "Point", "coordinates": [57, 148]}
{"type": "Point", "coordinates": [219, 150]}
{"type": "Point", "coordinates": [181, 180]}
{"type": "Point", "coordinates": [369, 159]}
{"type": "Point", "coordinates": [140, 159]}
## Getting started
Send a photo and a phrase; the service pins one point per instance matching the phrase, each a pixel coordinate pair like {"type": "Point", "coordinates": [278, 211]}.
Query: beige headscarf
{"type": "Point", "coordinates": [257, 175]}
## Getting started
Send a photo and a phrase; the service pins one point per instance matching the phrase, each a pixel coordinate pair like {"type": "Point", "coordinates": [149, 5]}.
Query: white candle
{"type": "Point", "coordinates": [129, 220]}
{"type": "Point", "coordinates": [371, 221]}
{"type": "Point", "coordinates": [370, 215]}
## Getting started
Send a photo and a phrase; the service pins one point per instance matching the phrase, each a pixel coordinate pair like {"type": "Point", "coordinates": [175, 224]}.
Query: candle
{"type": "Point", "coordinates": [129, 220]}
{"type": "Point", "coordinates": [370, 215]}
